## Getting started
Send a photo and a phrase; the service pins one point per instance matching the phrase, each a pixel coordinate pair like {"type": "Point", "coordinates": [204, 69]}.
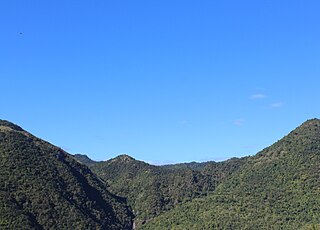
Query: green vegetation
{"type": "Point", "coordinates": [42, 187]}
{"type": "Point", "coordinates": [84, 159]}
{"type": "Point", "coordinates": [279, 188]}
{"type": "Point", "coordinates": [152, 190]}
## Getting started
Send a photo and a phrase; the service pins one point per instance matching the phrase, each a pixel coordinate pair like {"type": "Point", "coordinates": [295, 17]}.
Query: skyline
{"type": "Point", "coordinates": [163, 82]}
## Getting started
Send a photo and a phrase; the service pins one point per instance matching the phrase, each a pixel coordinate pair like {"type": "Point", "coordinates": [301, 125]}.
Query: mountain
{"type": "Point", "coordinates": [84, 159]}
{"type": "Point", "coordinates": [43, 187]}
{"type": "Point", "coordinates": [152, 190]}
{"type": "Point", "coordinates": [192, 165]}
{"type": "Point", "coordinates": [279, 188]}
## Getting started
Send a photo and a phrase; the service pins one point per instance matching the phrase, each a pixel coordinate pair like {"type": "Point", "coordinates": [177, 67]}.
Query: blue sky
{"type": "Point", "coordinates": [163, 81]}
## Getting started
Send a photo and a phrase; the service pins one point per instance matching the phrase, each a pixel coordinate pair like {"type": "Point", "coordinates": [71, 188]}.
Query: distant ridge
{"type": "Point", "coordinates": [123, 158]}
{"type": "Point", "coordinates": [84, 159]}
{"type": "Point", "coordinates": [152, 190]}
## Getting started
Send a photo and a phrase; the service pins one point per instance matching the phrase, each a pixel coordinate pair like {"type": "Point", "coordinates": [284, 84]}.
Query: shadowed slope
{"type": "Point", "coordinates": [42, 187]}
{"type": "Point", "coordinates": [152, 190]}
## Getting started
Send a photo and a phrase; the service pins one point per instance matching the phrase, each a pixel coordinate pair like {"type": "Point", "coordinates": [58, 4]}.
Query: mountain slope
{"type": "Point", "coordinates": [42, 187]}
{"type": "Point", "coordinates": [152, 190]}
{"type": "Point", "coordinates": [84, 159]}
{"type": "Point", "coordinates": [279, 188]}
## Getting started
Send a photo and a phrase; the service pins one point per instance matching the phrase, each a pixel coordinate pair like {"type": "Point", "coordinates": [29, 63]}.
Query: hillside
{"type": "Point", "coordinates": [84, 159]}
{"type": "Point", "coordinates": [42, 187]}
{"type": "Point", "coordinates": [279, 188]}
{"type": "Point", "coordinates": [152, 190]}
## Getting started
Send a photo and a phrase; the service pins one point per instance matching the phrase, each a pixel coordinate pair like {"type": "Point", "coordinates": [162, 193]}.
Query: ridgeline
{"type": "Point", "coordinates": [43, 187]}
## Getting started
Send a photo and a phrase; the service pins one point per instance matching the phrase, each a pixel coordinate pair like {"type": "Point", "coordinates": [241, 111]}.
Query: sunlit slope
{"type": "Point", "coordinates": [279, 188]}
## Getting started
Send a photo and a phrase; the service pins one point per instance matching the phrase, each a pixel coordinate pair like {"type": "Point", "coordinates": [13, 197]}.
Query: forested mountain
{"type": "Point", "coordinates": [152, 190]}
{"type": "Point", "coordinates": [43, 187]}
{"type": "Point", "coordinates": [279, 188]}
{"type": "Point", "coordinates": [84, 159]}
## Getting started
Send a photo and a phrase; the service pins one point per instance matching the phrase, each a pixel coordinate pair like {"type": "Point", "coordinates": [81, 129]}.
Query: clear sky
{"type": "Point", "coordinates": [163, 81]}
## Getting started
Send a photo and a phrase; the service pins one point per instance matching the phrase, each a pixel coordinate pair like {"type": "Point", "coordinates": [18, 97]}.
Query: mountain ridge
{"type": "Point", "coordinates": [42, 187]}
{"type": "Point", "coordinates": [153, 189]}
{"type": "Point", "coordinates": [277, 188]}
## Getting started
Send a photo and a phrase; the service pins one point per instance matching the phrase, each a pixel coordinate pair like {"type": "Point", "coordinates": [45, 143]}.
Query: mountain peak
{"type": "Point", "coordinates": [311, 122]}
{"type": "Point", "coordinates": [37, 176]}
{"type": "Point", "coordinates": [7, 124]}
{"type": "Point", "coordinates": [84, 159]}
{"type": "Point", "coordinates": [304, 139]}
{"type": "Point", "coordinates": [124, 158]}
{"type": "Point", "coordinates": [308, 128]}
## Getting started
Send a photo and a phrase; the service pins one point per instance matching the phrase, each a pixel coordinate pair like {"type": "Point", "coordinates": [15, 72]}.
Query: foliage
{"type": "Point", "coordinates": [152, 190]}
{"type": "Point", "coordinates": [42, 187]}
{"type": "Point", "coordinates": [279, 188]}
{"type": "Point", "coordinates": [84, 159]}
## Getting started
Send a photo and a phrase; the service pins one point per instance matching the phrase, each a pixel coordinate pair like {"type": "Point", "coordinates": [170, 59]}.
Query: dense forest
{"type": "Point", "coordinates": [152, 190]}
{"type": "Point", "coordinates": [43, 187]}
{"type": "Point", "coordinates": [279, 188]}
